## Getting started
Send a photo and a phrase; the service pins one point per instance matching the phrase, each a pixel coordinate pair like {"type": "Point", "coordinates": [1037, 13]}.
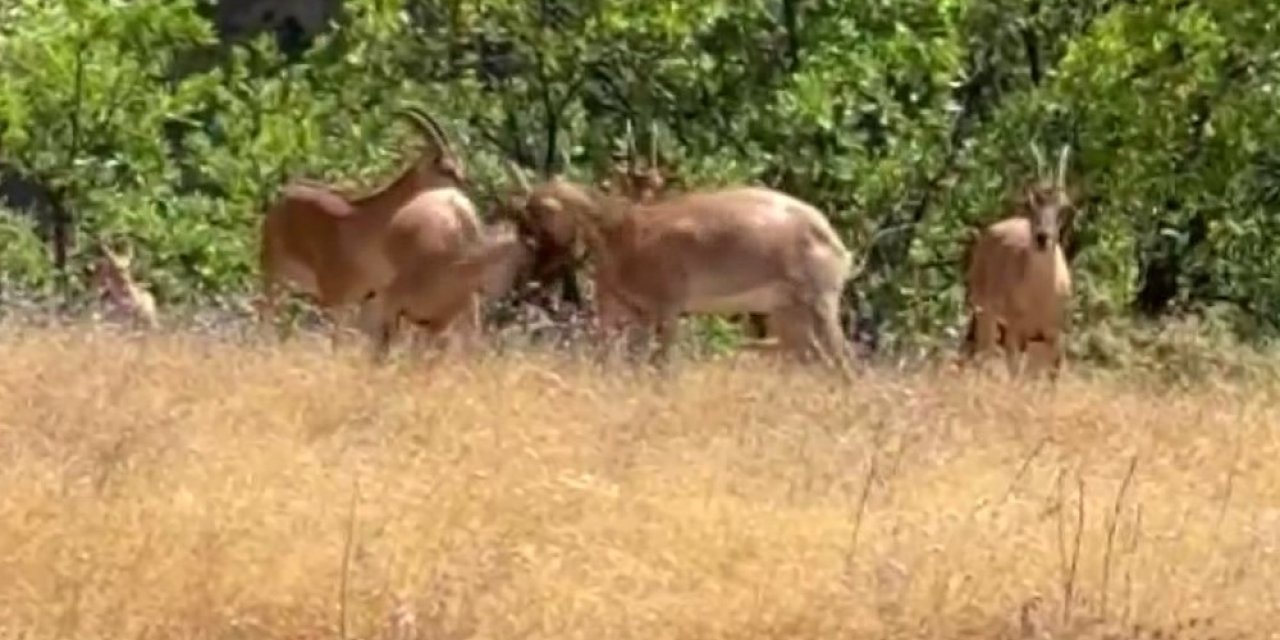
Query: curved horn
{"type": "Point", "coordinates": [1063, 157]}
{"type": "Point", "coordinates": [1039, 156]}
{"type": "Point", "coordinates": [435, 124]}
{"type": "Point", "coordinates": [517, 175]}
{"type": "Point", "coordinates": [426, 125]}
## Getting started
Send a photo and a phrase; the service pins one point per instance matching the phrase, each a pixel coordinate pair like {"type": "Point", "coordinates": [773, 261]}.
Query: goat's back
{"type": "Point", "coordinates": [745, 248]}
{"type": "Point", "coordinates": [750, 216]}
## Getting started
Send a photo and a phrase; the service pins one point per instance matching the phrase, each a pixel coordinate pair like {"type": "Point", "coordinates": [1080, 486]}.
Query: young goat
{"type": "Point", "coordinates": [342, 250]}
{"type": "Point", "coordinates": [734, 250]}
{"type": "Point", "coordinates": [1017, 281]}
{"type": "Point", "coordinates": [126, 300]}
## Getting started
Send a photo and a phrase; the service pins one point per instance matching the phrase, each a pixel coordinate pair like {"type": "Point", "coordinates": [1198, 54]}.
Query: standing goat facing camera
{"type": "Point", "coordinates": [1017, 282]}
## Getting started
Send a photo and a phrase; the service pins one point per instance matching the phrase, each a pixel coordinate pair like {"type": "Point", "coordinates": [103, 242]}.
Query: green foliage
{"type": "Point", "coordinates": [22, 262]}
{"type": "Point", "coordinates": [908, 122]}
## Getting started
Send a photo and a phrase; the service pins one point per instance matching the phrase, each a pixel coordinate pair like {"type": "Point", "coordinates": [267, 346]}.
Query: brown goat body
{"type": "Point", "coordinates": [1017, 281]}
{"type": "Point", "coordinates": [342, 249]}
{"type": "Point", "coordinates": [733, 250]}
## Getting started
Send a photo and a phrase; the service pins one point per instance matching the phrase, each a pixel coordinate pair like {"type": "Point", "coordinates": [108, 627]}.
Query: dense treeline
{"type": "Point", "coordinates": [909, 121]}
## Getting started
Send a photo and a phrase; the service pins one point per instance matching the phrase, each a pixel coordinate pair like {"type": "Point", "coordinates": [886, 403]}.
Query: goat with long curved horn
{"type": "Point", "coordinates": [345, 250]}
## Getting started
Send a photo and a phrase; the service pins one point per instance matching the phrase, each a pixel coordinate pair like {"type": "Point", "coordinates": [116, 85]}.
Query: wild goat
{"type": "Point", "coordinates": [1017, 281]}
{"type": "Point", "coordinates": [126, 300]}
{"type": "Point", "coordinates": [741, 249]}
{"type": "Point", "coordinates": [342, 249]}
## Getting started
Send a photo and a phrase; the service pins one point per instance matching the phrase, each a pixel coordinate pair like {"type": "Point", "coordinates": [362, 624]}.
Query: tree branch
{"type": "Point", "coordinates": [63, 220]}
{"type": "Point", "coordinates": [1031, 42]}
{"type": "Point", "coordinates": [791, 21]}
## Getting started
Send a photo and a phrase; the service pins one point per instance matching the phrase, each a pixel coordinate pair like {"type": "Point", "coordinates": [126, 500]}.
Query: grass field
{"type": "Point", "coordinates": [186, 487]}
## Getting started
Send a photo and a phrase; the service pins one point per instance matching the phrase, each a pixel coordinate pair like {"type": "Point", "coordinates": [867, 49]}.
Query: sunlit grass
{"type": "Point", "coordinates": [183, 487]}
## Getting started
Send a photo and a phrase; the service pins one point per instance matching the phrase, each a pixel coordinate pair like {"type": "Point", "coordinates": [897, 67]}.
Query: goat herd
{"type": "Point", "coordinates": [416, 250]}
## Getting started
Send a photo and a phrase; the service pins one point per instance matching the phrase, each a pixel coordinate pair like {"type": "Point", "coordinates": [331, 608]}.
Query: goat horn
{"type": "Point", "coordinates": [1063, 157]}
{"type": "Point", "coordinates": [517, 175]}
{"type": "Point", "coordinates": [427, 125]}
{"type": "Point", "coordinates": [1039, 156]}
{"type": "Point", "coordinates": [435, 125]}
{"type": "Point", "coordinates": [438, 129]}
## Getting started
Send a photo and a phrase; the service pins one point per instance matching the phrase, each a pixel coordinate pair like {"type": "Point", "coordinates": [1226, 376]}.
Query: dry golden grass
{"type": "Point", "coordinates": [182, 487]}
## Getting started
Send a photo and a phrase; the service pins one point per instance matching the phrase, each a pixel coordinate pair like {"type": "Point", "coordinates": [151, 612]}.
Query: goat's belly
{"type": "Point", "coordinates": [757, 300]}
